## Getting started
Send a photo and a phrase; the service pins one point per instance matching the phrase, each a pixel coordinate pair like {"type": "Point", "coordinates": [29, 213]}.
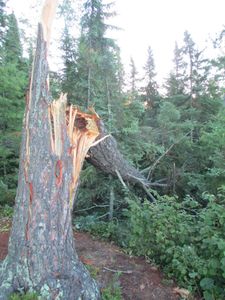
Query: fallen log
{"type": "Point", "coordinates": [107, 157]}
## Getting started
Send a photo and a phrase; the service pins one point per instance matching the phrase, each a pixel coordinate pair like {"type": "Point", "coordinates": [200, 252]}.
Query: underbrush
{"type": "Point", "coordinates": [187, 239]}
{"type": "Point", "coordinates": [22, 296]}
{"type": "Point", "coordinates": [6, 211]}
{"type": "Point", "coordinates": [113, 290]}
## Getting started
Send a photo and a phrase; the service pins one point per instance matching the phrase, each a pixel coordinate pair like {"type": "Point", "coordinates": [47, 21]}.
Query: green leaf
{"type": "Point", "coordinates": [193, 274]}
{"type": "Point", "coordinates": [207, 283]}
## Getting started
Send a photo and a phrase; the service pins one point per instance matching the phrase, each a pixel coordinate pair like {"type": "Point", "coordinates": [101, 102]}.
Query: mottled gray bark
{"type": "Point", "coordinates": [107, 157]}
{"type": "Point", "coordinates": [41, 254]}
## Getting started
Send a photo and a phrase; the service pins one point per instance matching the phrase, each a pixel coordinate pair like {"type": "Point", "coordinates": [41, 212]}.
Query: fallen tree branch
{"type": "Point", "coordinates": [121, 179]}
{"type": "Point", "coordinates": [118, 271]}
{"type": "Point", "coordinates": [151, 168]}
{"type": "Point", "coordinates": [158, 184]}
{"type": "Point", "coordinates": [92, 207]}
{"type": "Point", "coordinates": [149, 194]}
{"type": "Point", "coordinates": [141, 180]}
{"type": "Point", "coordinates": [106, 214]}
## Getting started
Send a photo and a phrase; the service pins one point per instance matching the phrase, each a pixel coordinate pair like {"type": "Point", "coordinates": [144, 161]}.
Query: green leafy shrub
{"type": "Point", "coordinates": [105, 230]}
{"type": "Point", "coordinates": [6, 211]}
{"type": "Point", "coordinates": [187, 240]}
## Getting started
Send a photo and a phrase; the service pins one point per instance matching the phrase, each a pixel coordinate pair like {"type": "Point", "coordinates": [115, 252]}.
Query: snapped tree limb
{"type": "Point", "coordinates": [106, 156]}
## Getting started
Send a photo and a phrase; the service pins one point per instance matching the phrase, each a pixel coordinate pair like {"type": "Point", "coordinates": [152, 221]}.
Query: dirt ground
{"type": "Point", "coordinates": [138, 279]}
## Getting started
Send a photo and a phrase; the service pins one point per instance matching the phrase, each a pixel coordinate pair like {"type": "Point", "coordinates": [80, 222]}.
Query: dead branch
{"type": "Point", "coordinates": [151, 168]}
{"type": "Point", "coordinates": [118, 271]}
{"type": "Point", "coordinates": [149, 194]}
{"type": "Point", "coordinates": [121, 179]}
{"type": "Point", "coordinates": [92, 207]}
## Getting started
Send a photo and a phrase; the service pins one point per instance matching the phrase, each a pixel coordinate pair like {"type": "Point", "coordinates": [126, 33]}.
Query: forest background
{"type": "Point", "coordinates": [174, 133]}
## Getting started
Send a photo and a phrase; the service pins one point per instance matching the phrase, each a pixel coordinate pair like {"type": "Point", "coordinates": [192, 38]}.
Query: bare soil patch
{"type": "Point", "coordinates": [138, 279]}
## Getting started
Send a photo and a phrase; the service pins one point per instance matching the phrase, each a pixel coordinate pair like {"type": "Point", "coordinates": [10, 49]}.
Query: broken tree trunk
{"type": "Point", "coordinates": [41, 255]}
{"type": "Point", "coordinates": [106, 156]}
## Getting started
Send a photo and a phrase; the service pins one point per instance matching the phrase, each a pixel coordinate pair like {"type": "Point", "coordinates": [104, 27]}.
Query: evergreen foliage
{"type": "Point", "coordinates": [150, 74]}
{"type": "Point", "coordinates": [12, 93]}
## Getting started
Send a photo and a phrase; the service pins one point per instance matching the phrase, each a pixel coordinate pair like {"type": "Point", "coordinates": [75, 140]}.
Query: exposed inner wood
{"type": "Point", "coordinates": [48, 13]}
{"type": "Point", "coordinates": [82, 130]}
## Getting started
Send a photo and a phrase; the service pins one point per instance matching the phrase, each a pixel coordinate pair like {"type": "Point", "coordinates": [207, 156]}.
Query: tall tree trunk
{"type": "Point", "coordinates": [89, 88]}
{"type": "Point", "coordinates": [55, 140]}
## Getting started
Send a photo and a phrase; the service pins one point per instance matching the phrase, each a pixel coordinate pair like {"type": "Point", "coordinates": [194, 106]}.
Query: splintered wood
{"type": "Point", "coordinates": [48, 13]}
{"type": "Point", "coordinates": [82, 130]}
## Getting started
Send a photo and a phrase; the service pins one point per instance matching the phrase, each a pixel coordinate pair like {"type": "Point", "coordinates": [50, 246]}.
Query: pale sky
{"type": "Point", "coordinates": [156, 23]}
{"type": "Point", "coordinates": [159, 23]}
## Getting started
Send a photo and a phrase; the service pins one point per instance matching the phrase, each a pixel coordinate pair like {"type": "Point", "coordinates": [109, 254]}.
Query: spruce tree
{"type": "Point", "coordinates": [133, 79]}
{"type": "Point", "coordinates": [176, 81]}
{"type": "Point", "coordinates": [12, 87]}
{"type": "Point", "coordinates": [2, 19]}
{"type": "Point", "coordinates": [69, 50]}
{"type": "Point", "coordinates": [12, 44]}
{"type": "Point", "coordinates": [98, 63]}
{"type": "Point", "coordinates": [69, 75]}
{"type": "Point", "coordinates": [150, 76]}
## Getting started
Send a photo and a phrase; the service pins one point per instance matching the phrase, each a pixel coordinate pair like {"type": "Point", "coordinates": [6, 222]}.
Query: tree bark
{"type": "Point", "coordinates": [41, 254]}
{"type": "Point", "coordinates": [107, 157]}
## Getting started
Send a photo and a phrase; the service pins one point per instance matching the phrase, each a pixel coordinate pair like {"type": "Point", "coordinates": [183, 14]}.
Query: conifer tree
{"type": "Point", "coordinates": [69, 77]}
{"type": "Point", "coordinates": [2, 18]}
{"type": "Point", "coordinates": [12, 87]}
{"type": "Point", "coordinates": [98, 63]}
{"type": "Point", "coordinates": [69, 50]}
{"type": "Point", "coordinates": [12, 41]}
{"type": "Point", "coordinates": [176, 81]}
{"type": "Point", "coordinates": [90, 53]}
{"type": "Point", "coordinates": [218, 63]}
{"type": "Point", "coordinates": [133, 79]}
{"type": "Point", "coordinates": [150, 74]}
